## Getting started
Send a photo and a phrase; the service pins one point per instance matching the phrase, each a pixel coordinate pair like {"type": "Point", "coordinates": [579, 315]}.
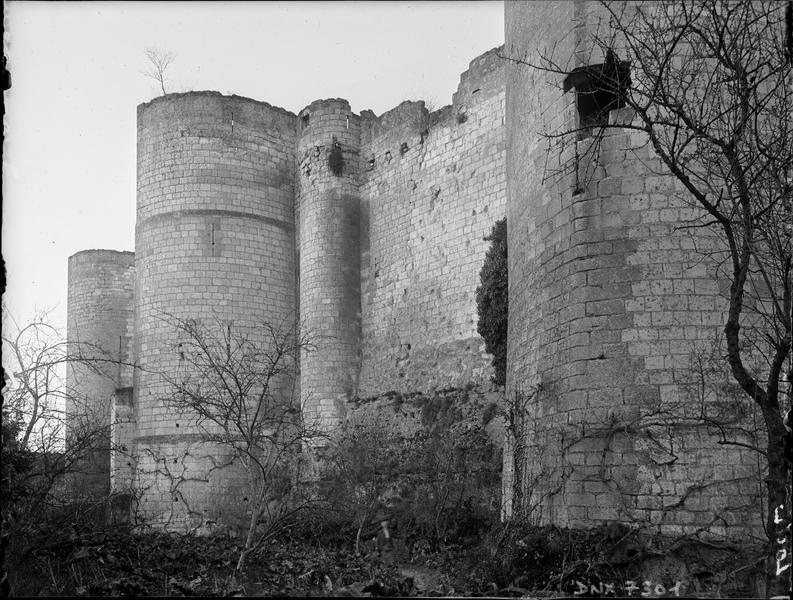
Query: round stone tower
{"type": "Point", "coordinates": [99, 326]}
{"type": "Point", "coordinates": [611, 302]}
{"type": "Point", "coordinates": [329, 232]}
{"type": "Point", "coordinates": [215, 246]}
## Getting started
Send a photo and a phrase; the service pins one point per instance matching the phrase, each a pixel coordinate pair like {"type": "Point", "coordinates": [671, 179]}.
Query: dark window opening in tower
{"type": "Point", "coordinates": [336, 159]}
{"type": "Point", "coordinates": [599, 89]}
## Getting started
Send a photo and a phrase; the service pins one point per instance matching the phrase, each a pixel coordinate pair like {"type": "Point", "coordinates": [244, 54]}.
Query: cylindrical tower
{"type": "Point", "coordinates": [99, 319]}
{"type": "Point", "coordinates": [612, 307]}
{"type": "Point", "coordinates": [215, 247]}
{"type": "Point", "coordinates": [329, 233]}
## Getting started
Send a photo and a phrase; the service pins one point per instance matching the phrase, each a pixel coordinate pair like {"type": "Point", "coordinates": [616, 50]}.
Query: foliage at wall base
{"type": "Point", "coordinates": [426, 462]}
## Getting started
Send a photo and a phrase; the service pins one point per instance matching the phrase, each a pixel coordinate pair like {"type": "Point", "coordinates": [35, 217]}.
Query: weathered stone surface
{"type": "Point", "coordinates": [427, 212]}
{"type": "Point", "coordinates": [647, 304]}
{"type": "Point", "coordinates": [99, 325]}
{"type": "Point", "coordinates": [215, 242]}
{"type": "Point", "coordinates": [371, 229]}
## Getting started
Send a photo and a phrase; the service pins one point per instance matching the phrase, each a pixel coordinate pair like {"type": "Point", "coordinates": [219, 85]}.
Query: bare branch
{"type": "Point", "coordinates": [237, 381]}
{"type": "Point", "coordinates": [159, 61]}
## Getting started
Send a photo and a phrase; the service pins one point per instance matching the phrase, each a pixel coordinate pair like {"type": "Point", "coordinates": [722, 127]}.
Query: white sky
{"type": "Point", "coordinates": [76, 74]}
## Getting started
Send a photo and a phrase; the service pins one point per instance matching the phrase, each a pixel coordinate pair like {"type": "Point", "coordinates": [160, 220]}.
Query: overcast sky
{"type": "Point", "coordinates": [76, 73]}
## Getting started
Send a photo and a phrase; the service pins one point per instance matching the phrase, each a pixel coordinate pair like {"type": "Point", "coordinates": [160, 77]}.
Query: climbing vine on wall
{"type": "Point", "coordinates": [492, 300]}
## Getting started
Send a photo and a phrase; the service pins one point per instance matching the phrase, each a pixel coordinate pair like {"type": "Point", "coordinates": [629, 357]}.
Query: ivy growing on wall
{"type": "Point", "coordinates": [492, 300]}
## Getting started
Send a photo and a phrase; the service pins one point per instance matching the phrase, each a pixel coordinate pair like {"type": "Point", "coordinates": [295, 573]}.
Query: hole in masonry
{"type": "Point", "coordinates": [599, 89]}
{"type": "Point", "coordinates": [336, 159]}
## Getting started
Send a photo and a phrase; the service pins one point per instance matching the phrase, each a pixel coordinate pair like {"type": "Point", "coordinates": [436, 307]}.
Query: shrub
{"type": "Point", "coordinates": [438, 486]}
{"type": "Point", "coordinates": [17, 460]}
{"type": "Point", "coordinates": [492, 300]}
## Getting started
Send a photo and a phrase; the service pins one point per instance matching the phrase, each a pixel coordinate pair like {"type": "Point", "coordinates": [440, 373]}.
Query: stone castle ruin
{"type": "Point", "coordinates": [242, 216]}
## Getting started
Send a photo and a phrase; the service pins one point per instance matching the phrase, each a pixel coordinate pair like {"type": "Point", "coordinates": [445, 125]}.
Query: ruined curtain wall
{"type": "Point", "coordinates": [432, 185]}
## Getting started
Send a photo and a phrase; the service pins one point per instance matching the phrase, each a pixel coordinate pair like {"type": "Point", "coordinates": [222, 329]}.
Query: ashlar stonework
{"type": "Point", "coordinates": [370, 231]}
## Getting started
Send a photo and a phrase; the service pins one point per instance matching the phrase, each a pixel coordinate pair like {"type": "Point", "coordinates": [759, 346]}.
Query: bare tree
{"type": "Point", "coordinates": [160, 61]}
{"type": "Point", "coordinates": [52, 440]}
{"type": "Point", "coordinates": [239, 383]}
{"type": "Point", "coordinates": [710, 86]}
{"type": "Point", "coordinates": [58, 424]}
{"type": "Point", "coordinates": [359, 468]}
{"type": "Point", "coordinates": [437, 481]}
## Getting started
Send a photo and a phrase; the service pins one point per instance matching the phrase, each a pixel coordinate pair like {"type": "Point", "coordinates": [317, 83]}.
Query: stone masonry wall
{"type": "Point", "coordinates": [448, 423]}
{"type": "Point", "coordinates": [215, 243]}
{"type": "Point", "coordinates": [99, 320]}
{"type": "Point", "coordinates": [432, 185]}
{"type": "Point", "coordinates": [611, 303]}
{"type": "Point", "coordinates": [122, 435]}
{"type": "Point", "coordinates": [371, 228]}
{"type": "Point", "coordinates": [328, 210]}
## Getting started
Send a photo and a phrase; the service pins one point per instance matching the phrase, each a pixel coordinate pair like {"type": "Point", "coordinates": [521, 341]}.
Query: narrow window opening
{"type": "Point", "coordinates": [120, 359]}
{"type": "Point", "coordinates": [213, 242]}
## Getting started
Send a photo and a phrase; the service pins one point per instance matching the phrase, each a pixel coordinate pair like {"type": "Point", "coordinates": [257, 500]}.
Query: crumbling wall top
{"type": "Point", "coordinates": [410, 117]}
{"type": "Point", "coordinates": [341, 104]}
{"type": "Point", "coordinates": [93, 252]}
{"type": "Point", "coordinates": [481, 75]}
{"type": "Point", "coordinates": [179, 97]}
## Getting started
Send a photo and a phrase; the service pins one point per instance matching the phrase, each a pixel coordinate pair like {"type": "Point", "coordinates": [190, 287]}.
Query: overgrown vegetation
{"type": "Point", "coordinates": [512, 559]}
{"type": "Point", "coordinates": [436, 477]}
{"type": "Point", "coordinates": [240, 385]}
{"type": "Point", "coordinates": [432, 470]}
{"type": "Point", "coordinates": [43, 450]}
{"type": "Point", "coordinates": [100, 561]}
{"type": "Point", "coordinates": [492, 300]}
{"type": "Point", "coordinates": [517, 557]}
